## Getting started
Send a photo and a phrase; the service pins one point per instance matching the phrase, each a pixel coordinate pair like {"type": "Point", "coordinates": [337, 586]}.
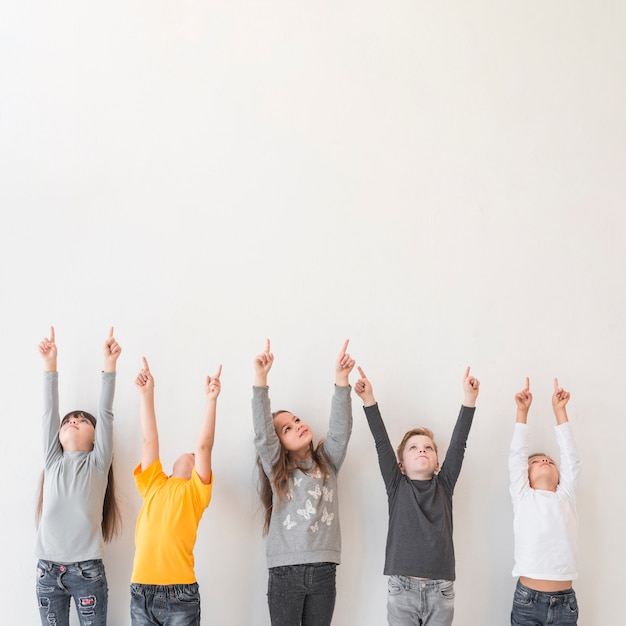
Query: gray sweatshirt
{"type": "Point", "coordinates": [305, 527]}
{"type": "Point", "coordinates": [74, 482]}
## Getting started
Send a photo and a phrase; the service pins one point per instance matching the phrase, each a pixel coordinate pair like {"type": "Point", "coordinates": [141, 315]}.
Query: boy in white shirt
{"type": "Point", "coordinates": [545, 522]}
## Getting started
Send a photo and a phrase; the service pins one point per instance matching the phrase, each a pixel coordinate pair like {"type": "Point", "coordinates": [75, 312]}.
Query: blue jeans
{"type": "Point", "coordinates": [58, 583]}
{"type": "Point", "coordinates": [536, 608]}
{"type": "Point", "coordinates": [302, 594]}
{"type": "Point", "coordinates": [164, 605]}
{"type": "Point", "coordinates": [419, 602]}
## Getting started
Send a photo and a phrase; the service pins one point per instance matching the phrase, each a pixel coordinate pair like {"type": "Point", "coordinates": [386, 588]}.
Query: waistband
{"type": "Point", "coordinates": [169, 591]}
{"type": "Point", "coordinates": [546, 594]}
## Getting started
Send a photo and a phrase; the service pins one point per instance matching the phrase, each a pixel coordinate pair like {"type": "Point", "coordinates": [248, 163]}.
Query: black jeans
{"type": "Point", "coordinates": [302, 595]}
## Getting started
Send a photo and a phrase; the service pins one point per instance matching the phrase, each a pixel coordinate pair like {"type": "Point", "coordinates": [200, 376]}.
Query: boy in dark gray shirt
{"type": "Point", "coordinates": [419, 557]}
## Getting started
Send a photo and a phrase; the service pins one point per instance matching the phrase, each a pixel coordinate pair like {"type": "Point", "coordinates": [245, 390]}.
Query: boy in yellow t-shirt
{"type": "Point", "coordinates": [163, 586]}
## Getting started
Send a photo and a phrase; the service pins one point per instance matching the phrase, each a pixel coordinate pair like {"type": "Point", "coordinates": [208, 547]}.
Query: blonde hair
{"type": "Point", "coordinates": [426, 432]}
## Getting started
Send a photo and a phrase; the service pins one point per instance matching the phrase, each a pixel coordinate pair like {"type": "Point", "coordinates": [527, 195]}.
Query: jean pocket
{"type": "Point", "coordinates": [188, 597]}
{"type": "Point", "coordinates": [446, 590]}
{"type": "Point", "coordinates": [572, 604]}
{"type": "Point", "coordinates": [394, 586]}
{"type": "Point", "coordinates": [522, 597]}
{"type": "Point", "coordinates": [282, 571]}
{"type": "Point", "coordinates": [91, 570]}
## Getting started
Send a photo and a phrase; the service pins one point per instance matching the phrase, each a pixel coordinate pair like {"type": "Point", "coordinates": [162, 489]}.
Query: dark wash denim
{"type": "Point", "coordinates": [536, 608]}
{"type": "Point", "coordinates": [302, 594]}
{"type": "Point", "coordinates": [164, 605]}
{"type": "Point", "coordinates": [58, 583]}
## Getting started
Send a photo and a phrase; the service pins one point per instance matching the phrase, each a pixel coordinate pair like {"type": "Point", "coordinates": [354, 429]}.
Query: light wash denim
{"type": "Point", "coordinates": [58, 583]}
{"type": "Point", "coordinates": [536, 608]}
{"type": "Point", "coordinates": [302, 594]}
{"type": "Point", "coordinates": [419, 602]}
{"type": "Point", "coordinates": [164, 605]}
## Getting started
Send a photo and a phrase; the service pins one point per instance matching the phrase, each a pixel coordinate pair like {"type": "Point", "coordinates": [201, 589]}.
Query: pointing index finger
{"type": "Point", "coordinates": [556, 384]}
{"type": "Point", "coordinates": [527, 387]}
{"type": "Point", "coordinates": [467, 372]}
{"type": "Point", "coordinates": [218, 373]}
{"type": "Point", "coordinates": [52, 334]}
{"type": "Point", "coordinates": [111, 332]}
{"type": "Point", "coordinates": [344, 347]}
{"type": "Point", "coordinates": [145, 364]}
{"type": "Point", "coordinates": [361, 371]}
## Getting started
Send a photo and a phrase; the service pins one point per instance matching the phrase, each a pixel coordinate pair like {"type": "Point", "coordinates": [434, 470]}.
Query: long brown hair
{"type": "Point", "coordinates": [111, 518]}
{"type": "Point", "coordinates": [282, 471]}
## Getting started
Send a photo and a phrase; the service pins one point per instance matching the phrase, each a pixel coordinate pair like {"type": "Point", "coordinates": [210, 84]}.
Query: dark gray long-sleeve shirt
{"type": "Point", "coordinates": [419, 537]}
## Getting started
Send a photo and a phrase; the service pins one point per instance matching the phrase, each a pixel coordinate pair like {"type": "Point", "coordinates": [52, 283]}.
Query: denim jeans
{"type": "Point", "coordinates": [302, 594]}
{"type": "Point", "coordinates": [419, 602]}
{"type": "Point", "coordinates": [164, 605]}
{"type": "Point", "coordinates": [58, 583]}
{"type": "Point", "coordinates": [536, 608]}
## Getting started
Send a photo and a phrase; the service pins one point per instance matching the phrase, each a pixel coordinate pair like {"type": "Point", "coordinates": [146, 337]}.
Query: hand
{"type": "Point", "coordinates": [560, 397]}
{"type": "Point", "coordinates": [213, 386]}
{"type": "Point", "coordinates": [262, 365]}
{"type": "Point", "coordinates": [524, 398]}
{"type": "Point", "coordinates": [470, 388]}
{"type": "Point", "coordinates": [364, 389]}
{"type": "Point", "coordinates": [144, 381]}
{"type": "Point", "coordinates": [48, 351]}
{"type": "Point", "coordinates": [343, 366]}
{"type": "Point", "coordinates": [112, 351]}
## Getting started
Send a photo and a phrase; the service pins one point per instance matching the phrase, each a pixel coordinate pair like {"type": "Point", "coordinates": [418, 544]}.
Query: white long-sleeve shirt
{"type": "Point", "coordinates": [545, 523]}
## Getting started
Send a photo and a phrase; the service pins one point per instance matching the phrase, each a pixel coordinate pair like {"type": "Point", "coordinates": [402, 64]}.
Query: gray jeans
{"type": "Point", "coordinates": [419, 602]}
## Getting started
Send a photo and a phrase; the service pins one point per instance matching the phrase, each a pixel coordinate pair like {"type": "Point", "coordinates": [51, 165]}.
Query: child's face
{"type": "Point", "coordinates": [294, 434]}
{"type": "Point", "coordinates": [543, 473]}
{"type": "Point", "coordinates": [77, 433]}
{"type": "Point", "coordinates": [419, 459]}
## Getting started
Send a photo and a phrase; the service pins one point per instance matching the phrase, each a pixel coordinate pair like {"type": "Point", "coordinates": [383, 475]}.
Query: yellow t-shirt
{"type": "Point", "coordinates": [167, 524]}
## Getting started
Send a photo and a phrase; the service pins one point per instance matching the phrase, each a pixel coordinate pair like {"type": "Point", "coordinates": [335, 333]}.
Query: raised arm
{"type": "Point", "coordinates": [50, 418]}
{"type": "Point", "coordinates": [103, 447]}
{"type": "Point", "coordinates": [150, 447]}
{"type": "Point", "coordinates": [340, 423]}
{"type": "Point", "coordinates": [560, 398]}
{"type": "Point", "coordinates": [262, 366]}
{"type": "Point", "coordinates": [364, 389]}
{"type": "Point", "coordinates": [470, 389]}
{"type": "Point", "coordinates": [48, 352]}
{"type": "Point", "coordinates": [451, 467]}
{"type": "Point", "coordinates": [266, 440]}
{"type": "Point", "coordinates": [523, 399]}
{"type": "Point", "coordinates": [343, 366]}
{"type": "Point", "coordinates": [518, 451]}
{"type": "Point", "coordinates": [570, 457]}
{"type": "Point", "coordinates": [387, 461]}
{"type": "Point", "coordinates": [206, 436]}
{"type": "Point", "coordinates": [112, 351]}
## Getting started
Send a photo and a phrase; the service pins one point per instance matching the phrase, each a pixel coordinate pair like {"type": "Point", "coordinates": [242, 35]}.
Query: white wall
{"type": "Point", "coordinates": [441, 182]}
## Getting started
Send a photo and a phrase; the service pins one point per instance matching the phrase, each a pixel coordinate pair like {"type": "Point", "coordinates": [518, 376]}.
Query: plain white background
{"type": "Point", "coordinates": [441, 182]}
